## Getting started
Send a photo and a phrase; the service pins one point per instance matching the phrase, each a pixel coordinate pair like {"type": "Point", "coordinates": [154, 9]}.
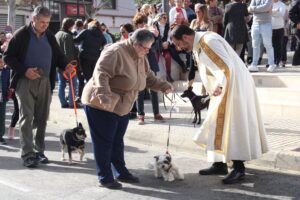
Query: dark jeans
{"type": "Point", "coordinates": [284, 49]}
{"type": "Point", "coordinates": [140, 102]}
{"type": "Point", "coordinates": [15, 115]}
{"type": "Point", "coordinates": [107, 133]}
{"type": "Point", "coordinates": [80, 81]}
{"type": "Point", "coordinates": [277, 41]}
{"type": "Point", "coordinates": [87, 67]}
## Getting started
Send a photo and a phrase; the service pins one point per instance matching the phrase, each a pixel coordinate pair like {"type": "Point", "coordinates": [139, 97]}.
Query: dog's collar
{"type": "Point", "coordinates": [194, 97]}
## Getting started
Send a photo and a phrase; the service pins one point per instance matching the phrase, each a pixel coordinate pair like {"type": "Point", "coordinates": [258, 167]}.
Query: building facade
{"type": "Point", "coordinates": [114, 12]}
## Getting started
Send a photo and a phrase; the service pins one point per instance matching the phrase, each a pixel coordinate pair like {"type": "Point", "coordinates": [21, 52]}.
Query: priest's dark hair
{"type": "Point", "coordinates": [181, 30]}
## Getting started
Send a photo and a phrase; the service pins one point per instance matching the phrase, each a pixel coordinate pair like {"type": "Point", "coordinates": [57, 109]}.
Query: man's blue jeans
{"type": "Point", "coordinates": [262, 33]}
{"type": "Point", "coordinates": [62, 82]}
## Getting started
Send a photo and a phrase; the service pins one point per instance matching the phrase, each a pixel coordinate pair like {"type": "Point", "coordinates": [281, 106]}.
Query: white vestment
{"type": "Point", "coordinates": [233, 128]}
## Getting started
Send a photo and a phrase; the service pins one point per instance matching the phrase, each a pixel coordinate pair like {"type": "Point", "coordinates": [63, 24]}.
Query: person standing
{"type": "Point", "coordinates": [215, 15]}
{"type": "Point", "coordinates": [294, 15]}
{"type": "Point", "coordinates": [92, 42]}
{"type": "Point", "coordinates": [234, 23]}
{"type": "Point", "coordinates": [233, 129]}
{"type": "Point", "coordinates": [4, 85]}
{"type": "Point", "coordinates": [261, 31]}
{"type": "Point", "coordinates": [278, 12]}
{"type": "Point", "coordinates": [121, 72]}
{"type": "Point", "coordinates": [178, 9]}
{"type": "Point", "coordinates": [64, 38]}
{"type": "Point", "coordinates": [33, 54]}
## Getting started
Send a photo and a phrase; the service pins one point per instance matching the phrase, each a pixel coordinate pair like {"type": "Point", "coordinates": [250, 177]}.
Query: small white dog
{"type": "Point", "coordinates": [165, 168]}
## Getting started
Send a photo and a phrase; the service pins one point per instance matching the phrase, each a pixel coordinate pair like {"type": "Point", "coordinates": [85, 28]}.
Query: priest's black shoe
{"type": "Point", "coordinates": [234, 177]}
{"type": "Point", "coordinates": [217, 168]}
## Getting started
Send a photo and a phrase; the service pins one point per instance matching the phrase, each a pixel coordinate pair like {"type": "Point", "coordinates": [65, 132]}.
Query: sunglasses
{"type": "Point", "coordinates": [122, 32]}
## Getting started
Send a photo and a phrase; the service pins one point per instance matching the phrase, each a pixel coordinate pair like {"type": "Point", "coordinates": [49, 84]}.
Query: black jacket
{"type": "Point", "coordinates": [234, 23]}
{"type": "Point", "coordinates": [15, 55]}
{"type": "Point", "coordinates": [92, 42]}
{"type": "Point", "coordinates": [294, 13]}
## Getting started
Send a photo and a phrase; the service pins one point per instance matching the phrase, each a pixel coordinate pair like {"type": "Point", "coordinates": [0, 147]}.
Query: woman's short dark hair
{"type": "Point", "coordinates": [78, 23]}
{"type": "Point", "coordinates": [128, 27]}
{"type": "Point", "coordinates": [67, 23]}
{"type": "Point", "coordinates": [181, 30]}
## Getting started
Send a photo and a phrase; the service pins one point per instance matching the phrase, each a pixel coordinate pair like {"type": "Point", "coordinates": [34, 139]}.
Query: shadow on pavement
{"type": "Point", "coordinates": [257, 185]}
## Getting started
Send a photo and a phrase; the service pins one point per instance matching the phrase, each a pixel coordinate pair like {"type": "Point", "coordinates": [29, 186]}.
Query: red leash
{"type": "Point", "coordinates": [70, 77]}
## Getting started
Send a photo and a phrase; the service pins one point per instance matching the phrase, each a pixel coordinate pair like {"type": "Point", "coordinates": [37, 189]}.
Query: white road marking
{"type": "Point", "coordinates": [14, 186]}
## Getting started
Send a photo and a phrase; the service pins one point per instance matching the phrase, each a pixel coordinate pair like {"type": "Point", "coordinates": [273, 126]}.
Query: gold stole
{"type": "Point", "coordinates": [222, 107]}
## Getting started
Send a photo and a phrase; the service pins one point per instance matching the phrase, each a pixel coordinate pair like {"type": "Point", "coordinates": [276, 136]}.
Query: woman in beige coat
{"type": "Point", "coordinates": [120, 73]}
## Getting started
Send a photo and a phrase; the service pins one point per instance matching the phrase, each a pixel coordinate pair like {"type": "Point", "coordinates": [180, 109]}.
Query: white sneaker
{"type": "Point", "coordinates": [253, 68]}
{"type": "Point", "coordinates": [271, 68]}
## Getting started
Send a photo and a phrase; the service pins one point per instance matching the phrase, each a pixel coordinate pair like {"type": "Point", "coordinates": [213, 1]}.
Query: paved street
{"type": "Point", "coordinates": [58, 180]}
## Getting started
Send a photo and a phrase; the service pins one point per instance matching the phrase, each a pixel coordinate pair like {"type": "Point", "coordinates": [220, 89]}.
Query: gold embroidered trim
{"type": "Point", "coordinates": [222, 107]}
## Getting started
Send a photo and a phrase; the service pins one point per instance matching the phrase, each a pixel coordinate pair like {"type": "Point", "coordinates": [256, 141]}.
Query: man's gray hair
{"type": "Point", "coordinates": [41, 11]}
{"type": "Point", "coordinates": [142, 36]}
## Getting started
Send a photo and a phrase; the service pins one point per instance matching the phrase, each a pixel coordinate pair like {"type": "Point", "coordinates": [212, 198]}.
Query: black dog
{"type": "Point", "coordinates": [198, 102]}
{"type": "Point", "coordinates": [73, 139]}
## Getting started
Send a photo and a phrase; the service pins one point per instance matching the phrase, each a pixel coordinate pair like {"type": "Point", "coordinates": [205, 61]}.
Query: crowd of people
{"type": "Point", "coordinates": [112, 75]}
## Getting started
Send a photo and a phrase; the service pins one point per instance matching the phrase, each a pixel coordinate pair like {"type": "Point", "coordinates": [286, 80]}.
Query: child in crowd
{"type": "Point", "coordinates": [4, 84]}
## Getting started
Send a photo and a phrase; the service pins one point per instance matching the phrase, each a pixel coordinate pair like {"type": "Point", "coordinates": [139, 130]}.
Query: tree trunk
{"type": "Point", "coordinates": [11, 20]}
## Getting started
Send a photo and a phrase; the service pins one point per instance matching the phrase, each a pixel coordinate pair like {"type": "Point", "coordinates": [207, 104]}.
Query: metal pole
{"type": "Point", "coordinates": [165, 6]}
{"type": "Point", "coordinates": [77, 9]}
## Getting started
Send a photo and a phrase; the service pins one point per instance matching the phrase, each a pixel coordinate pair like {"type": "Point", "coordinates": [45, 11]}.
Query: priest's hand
{"type": "Point", "coordinates": [217, 91]}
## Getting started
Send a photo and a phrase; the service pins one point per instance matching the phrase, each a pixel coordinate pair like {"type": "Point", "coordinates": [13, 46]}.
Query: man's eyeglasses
{"type": "Point", "coordinates": [123, 32]}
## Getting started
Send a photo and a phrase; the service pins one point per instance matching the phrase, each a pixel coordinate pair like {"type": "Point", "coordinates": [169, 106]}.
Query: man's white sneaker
{"type": "Point", "coordinates": [271, 68]}
{"type": "Point", "coordinates": [253, 68]}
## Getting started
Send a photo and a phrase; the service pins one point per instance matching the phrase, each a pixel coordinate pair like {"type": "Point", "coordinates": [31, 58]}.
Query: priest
{"type": "Point", "coordinates": [233, 129]}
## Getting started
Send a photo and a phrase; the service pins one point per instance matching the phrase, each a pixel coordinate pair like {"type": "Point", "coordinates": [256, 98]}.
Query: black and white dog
{"type": "Point", "coordinates": [166, 169]}
{"type": "Point", "coordinates": [198, 103]}
{"type": "Point", "coordinates": [73, 139]}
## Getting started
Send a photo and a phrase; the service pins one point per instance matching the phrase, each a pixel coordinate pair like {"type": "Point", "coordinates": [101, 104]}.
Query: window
{"type": "Point", "coordinates": [105, 4]}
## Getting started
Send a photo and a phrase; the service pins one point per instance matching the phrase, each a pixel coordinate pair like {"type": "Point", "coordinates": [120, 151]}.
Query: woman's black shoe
{"type": "Point", "coordinates": [113, 186]}
{"type": "Point", "coordinates": [128, 179]}
{"type": "Point", "coordinates": [234, 177]}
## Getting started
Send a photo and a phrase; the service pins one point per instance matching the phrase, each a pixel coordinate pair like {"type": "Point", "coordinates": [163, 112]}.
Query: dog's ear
{"type": "Point", "coordinates": [190, 88]}
{"type": "Point", "coordinates": [80, 125]}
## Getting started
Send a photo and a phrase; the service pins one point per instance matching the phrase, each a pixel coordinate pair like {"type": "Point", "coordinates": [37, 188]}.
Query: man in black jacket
{"type": "Point", "coordinates": [34, 54]}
